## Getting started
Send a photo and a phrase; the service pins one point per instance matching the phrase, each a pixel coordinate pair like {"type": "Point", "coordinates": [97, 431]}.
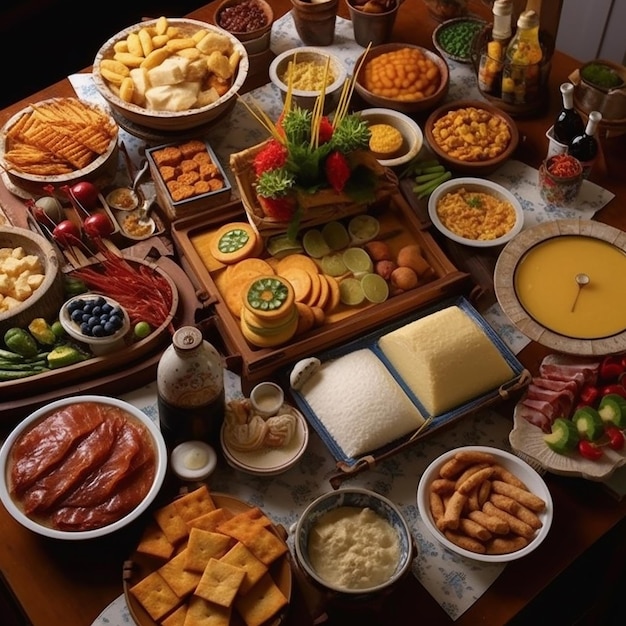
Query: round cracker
{"type": "Point", "coordinates": [335, 295]}
{"type": "Point", "coordinates": [306, 318]}
{"type": "Point", "coordinates": [324, 293]}
{"type": "Point", "coordinates": [300, 281]}
{"type": "Point", "coordinates": [298, 260]}
{"type": "Point", "coordinates": [254, 264]}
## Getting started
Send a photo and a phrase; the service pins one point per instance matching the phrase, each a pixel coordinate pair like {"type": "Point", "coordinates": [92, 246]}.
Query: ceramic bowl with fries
{"type": "Point", "coordinates": [508, 517]}
{"type": "Point", "coordinates": [60, 141]}
{"type": "Point", "coordinates": [170, 74]}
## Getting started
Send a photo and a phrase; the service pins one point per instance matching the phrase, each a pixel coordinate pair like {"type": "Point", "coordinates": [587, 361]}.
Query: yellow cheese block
{"type": "Point", "coordinates": [446, 359]}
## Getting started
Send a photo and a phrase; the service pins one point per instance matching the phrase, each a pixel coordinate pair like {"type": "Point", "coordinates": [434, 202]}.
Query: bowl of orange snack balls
{"type": "Point", "coordinates": [170, 74]}
{"type": "Point", "coordinates": [471, 137]}
{"type": "Point", "coordinates": [402, 77]}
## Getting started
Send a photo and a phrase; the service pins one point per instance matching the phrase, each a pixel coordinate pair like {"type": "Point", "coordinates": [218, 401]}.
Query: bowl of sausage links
{"type": "Point", "coordinates": [471, 137]}
{"type": "Point", "coordinates": [485, 504]}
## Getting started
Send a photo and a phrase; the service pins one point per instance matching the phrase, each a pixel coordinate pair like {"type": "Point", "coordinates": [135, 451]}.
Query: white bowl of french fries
{"type": "Point", "coordinates": [485, 504]}
{"type": "Point", "coordinates": [170, 74]}
{"type": "Point", "coordinates": [57, 142]}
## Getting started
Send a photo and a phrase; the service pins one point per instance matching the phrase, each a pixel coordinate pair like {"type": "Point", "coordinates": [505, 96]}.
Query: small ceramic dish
{"type": "Point", "coordinates": [453, 38]}
{"type": "Point", "coordinates": [255, 38]}
{"type": "Point", "coordinates": [518, 468]}
{"type": "Point", "coordinates": [269, 460]}
{"type": "Point", "coordinates": [412, 137]}
{"type": "Point", "coordinates": [480, 185]}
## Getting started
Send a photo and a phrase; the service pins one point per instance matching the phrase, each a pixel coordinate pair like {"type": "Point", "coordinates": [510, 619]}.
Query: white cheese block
{"type": "Point", "coordinates": [171, 71]}
{"type": "Point", "coordinates": [360, 403]}
{"type": "Point", "coordinates": [446, 359]}
{"type": "Point", "coordinates": [173, 98]}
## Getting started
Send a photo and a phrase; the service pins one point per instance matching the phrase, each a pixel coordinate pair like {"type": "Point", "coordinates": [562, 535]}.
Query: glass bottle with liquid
{"type": "Point", "coordinates": [568, 123]}
{"type": "Point", "coordinates": [492, 59]}
{"type": "Point", "coordinates": [585, 147]}
{"type": "Point", "coordinates": [522, 72]}
{"type": "Point", "coordinates": [190, 385]}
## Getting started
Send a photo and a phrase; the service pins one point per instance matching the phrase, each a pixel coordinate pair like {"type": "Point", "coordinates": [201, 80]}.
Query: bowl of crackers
{"type": "Point", "coordinates": [105, 467]}
{"type": "Point", "coordinates": [170, 74]}
{"type": "Point", "coordinates": [57, 142]}
{"type": "Point", "coordinates": [471, 137]}
{"type": "Point", "coordinates": [485, 504]}
{"type": "Point", "coordinates": [208, 557]}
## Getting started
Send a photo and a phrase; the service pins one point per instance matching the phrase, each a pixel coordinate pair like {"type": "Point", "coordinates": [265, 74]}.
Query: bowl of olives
{"type": "Point", "coordinates": [95, 320]}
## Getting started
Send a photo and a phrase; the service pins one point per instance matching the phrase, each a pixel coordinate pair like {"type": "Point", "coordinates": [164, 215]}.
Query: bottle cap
{"type": "Point", "coordinates": [187, 338]}
{"type": "Point", "coordinates": [528, 19]}
{"type": "Point", "coordinates": [566, 88]}
{"type": "Point", "coordinates": [193, 460]}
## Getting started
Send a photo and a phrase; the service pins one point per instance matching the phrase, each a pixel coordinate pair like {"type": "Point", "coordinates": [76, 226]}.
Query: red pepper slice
{"type": "Point", "coordinates": [616, 437]}
{"type": "Point", "coordinates": [616, 388]}
{"type": "Point", "coordinates": [589, 395]}
{"type": "Point", "coordinates": [589, 450]}
{"type": "Point", "coordinates": [610, 368]}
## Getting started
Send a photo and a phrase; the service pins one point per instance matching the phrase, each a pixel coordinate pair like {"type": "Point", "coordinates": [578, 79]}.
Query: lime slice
{"type": "Point", "coordinates": [335, 235]}
{"type": "Point", "coordinates": [280, 246]}
{"type": "Point", "coordinates": [351, 292]}
{"type": "Point", "coordinates": [314, 244]}
{"type": "Point", "coordinates": [363, 228]}
{"type": "Point", "coordinates": [358, 261]}
{"type": "Point", "coordinates": [333, 264]}
{"type": "Point", "coordinates": [375, 288]}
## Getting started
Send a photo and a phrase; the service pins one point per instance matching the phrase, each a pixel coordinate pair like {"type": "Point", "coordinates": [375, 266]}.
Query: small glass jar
{"type": "Point", "coordinates": [560, 179]}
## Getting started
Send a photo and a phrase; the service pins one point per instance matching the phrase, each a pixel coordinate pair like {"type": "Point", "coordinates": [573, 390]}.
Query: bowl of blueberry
{"type": "Point", "coordinates": [96, 320]}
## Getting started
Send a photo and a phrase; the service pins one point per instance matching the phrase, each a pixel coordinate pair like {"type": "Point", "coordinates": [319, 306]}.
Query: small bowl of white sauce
{"type": "Point", "coordinates": [353, 541]}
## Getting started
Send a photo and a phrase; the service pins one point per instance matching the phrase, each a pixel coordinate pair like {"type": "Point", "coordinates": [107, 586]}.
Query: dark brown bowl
{"type": "Point", "coordinates": [404, 106]}
{"type": "Point", "coordinates": [477, 167]}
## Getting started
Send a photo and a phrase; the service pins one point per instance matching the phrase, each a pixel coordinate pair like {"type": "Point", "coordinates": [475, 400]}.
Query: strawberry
{"type": "Point", "coordinates": [326, 130]}
{"type": "Point", "coordinates": [271, 157]}
{"type": "Point", "coordinates": [337, 170]}
{"type": "Point", "coordinates": [281, 208]}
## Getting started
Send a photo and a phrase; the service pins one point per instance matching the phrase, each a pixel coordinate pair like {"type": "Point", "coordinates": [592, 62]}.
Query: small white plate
{"type": "Point", "coordinates": [268, 461]}
{"type": "Point", "coordinates": [478, 185]}
{"type": "Point", "coordinates": [515, 465]}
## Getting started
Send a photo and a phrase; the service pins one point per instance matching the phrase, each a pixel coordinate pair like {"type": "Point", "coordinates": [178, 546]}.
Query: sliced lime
{"type": "Point", "coordinates": [335, 235]}
{"type": "Point", "coordinates": [351, 291]}
{"type": "Point", "coordinates": [363, 228]}
{"type": "Point", "coordinates": [314, 244]}
{"type": "Point", "coordinates": [333, 264]}
{"type": "Point", "coordinates": [280, 246]}
{"type": "Point", "coordinates": [375, 288]}
{"type": "Point", "coordinates": [357, 261]}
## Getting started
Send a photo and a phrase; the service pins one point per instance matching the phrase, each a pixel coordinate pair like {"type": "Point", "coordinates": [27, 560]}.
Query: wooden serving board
{"type": "Point", "coordinates": [399, 226]}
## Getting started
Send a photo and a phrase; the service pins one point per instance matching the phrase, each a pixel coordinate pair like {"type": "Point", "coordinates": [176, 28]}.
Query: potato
{"type": "Point", "coordinates": [385, 267]}
{"type": "Point", "coordinates": [411, 256]}
{"type": "Point", "coordinates": [378, 250]}
{"type": "Point", "coordinates": [404, 278]}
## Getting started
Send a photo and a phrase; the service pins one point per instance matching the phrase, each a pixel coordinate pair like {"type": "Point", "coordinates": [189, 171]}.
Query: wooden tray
{"type": "Point", "coordinates": [399, 226]}
{"type": "Point", "coordinates": [139, 566]}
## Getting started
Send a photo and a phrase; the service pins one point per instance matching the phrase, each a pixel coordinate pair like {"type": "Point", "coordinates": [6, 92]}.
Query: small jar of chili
{"type": "Point", "coordinates": [560, 179]}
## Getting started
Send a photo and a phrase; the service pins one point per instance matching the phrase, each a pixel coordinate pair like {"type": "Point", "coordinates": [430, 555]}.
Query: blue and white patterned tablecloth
{"type": "Point", "coordinates": [454, 582]}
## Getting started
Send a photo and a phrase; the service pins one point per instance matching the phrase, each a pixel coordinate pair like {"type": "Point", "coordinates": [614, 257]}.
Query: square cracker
{"type": "Point", "coordinates": [194, 503]}
{"type": "Point", "coordinates": [263, 601]}
{"type": "Point", "coordinates": [171, 523]}
{"type": "Point", "coordinates": [203, 613]}
{"type": "Point", "coordinates": [154, 542]}
{"type": "Point", "coordinates": [220, 582]}
{"type": "Point", "coordinates": [181, 580]}
{"type": "Point", "coordinates": [263, 543]}
{"type": "Point", "coordinates": [209, 521]}
{"type": "Point", "coordinates": [203, 545]}
{"type": "Point", "coordinates": [155, 595]}
{"type": "Point", "coordinates": [177, 618]}
{"type": "Point", "coordinates": [240, 556]}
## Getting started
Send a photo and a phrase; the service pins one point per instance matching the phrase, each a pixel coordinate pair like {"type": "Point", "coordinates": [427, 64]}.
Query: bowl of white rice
{"type": "Point", "coordinates": [353, 541]}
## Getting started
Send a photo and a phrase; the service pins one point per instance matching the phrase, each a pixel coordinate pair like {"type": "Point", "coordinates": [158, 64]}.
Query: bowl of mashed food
{"type": "Point", "coordinates": [353, 541]}
{"type": "Point", "coordinates": [309, 72]}
{"type": "Point", "coordinates": [475, 212]}
{"type": "Point", "coordinates": [81, 467]}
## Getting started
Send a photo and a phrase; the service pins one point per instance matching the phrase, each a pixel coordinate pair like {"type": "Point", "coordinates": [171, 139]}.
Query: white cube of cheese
{"type": "Point", "coordinates": [141, 82]}
{"type": "Point", "coordinates": [5, 283]}
{"type": "Point", "coordinates": [18, 253]}
{"type": "Point", "coordinates": [10, 303]}
{"type": "Point", "coordinates": [12, 266]}
{"type": "Point", "coordinates": [32, 263]}
{"type": "Point", "coordinates": [21, 289]}
{"type": "Point", "coordinates": [35, 280]}
{"type": "Point", "coordinates": [173, 98]}
{"type": "Point", "coordinates": [171, 72]}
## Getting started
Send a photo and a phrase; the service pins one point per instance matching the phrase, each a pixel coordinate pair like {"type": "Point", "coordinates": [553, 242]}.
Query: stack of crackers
{"type": "Point", "coordinates": [212, 566]}
{"type": "Point", "coordinates": [58, 136]}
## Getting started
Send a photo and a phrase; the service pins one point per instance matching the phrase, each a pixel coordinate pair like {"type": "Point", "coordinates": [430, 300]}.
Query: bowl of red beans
{"type": "Point", "coordinates": [248, 20]}
{"type": "Point", "coordinates": [560, 179]}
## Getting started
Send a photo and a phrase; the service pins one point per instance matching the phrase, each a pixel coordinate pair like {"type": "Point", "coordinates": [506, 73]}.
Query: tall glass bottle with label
{"type": "Point", "coordinates": [522, 72]}
{"type": "Point", "coordinates": [585, 147]}
{"type": "Point", "coordinates": [492, 59]}
{"type": "Point", "coordinates": [190, 384]}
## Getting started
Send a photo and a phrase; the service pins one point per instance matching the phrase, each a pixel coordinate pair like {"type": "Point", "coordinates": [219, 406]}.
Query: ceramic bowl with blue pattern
{"type": "Point", "coordinates": [353, 498]}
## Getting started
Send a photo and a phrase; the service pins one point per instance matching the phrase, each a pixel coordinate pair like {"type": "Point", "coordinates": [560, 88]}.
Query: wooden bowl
{"type": "Point", "coordinates": [168, 120]}
{"type": "Point", "coordinates": [255, 40]}
{"type": "Point", "coordinates": [100, 171]}
{"type": "Point", "coordinates": [404, 106]}
{"type": "Point", "coordinates": [47, 299]}
{"type": "Point", "coordinates": [480, 167]}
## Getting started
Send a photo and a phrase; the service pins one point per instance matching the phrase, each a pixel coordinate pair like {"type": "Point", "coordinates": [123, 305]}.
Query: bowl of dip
{"type": "Point", "coordinates": [353, 541]}
{"type": "Point", "coordinates": [309, 69]}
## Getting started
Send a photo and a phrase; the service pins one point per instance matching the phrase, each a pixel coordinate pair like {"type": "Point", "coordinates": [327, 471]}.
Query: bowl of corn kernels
{"type": "Point", "coordinates": [402, 77]}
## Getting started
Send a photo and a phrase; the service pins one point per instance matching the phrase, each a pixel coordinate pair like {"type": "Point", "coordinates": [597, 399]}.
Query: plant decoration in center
{"type": "Point", "coordinates": [313, 163]}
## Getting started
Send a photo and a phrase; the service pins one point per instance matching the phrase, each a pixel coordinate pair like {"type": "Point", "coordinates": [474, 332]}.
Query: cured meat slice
{"type": "Point", "coordinates": [101, 483]}
{"type": "Point", "coordinates": [556, 385]}
{"type": "Point", "coordinates": [90, 453]}
{"type": "Point", "coordinates": [45, 445]}
{"type": "Point", "coordinates": [583, 374]}
{"type": "Point", "coordinates": [534, 416]}
{"type": "Point", "coordinates": [129, 495]}
{"type": "Point", "coordinates": [562, 400]}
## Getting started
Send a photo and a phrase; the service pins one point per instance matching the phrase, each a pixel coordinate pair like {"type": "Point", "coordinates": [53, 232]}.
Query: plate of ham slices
{"type": "Point", "coordinates": [563, 384]}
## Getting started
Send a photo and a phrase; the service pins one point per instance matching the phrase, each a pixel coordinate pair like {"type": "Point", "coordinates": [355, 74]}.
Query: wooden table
{"type": "Point", "coordinates": [70, 584]}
